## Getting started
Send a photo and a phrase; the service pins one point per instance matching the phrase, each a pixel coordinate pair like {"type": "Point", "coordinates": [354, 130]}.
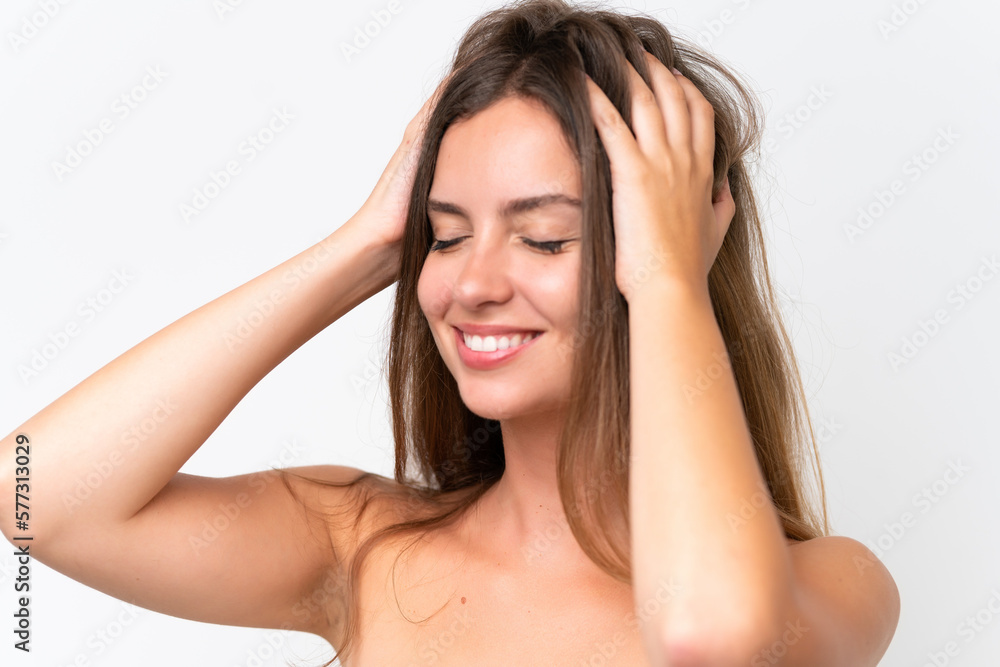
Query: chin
{"type": "Point", "coordinates": [493, 402]}
{"type": "Point", "coordinates": [506, 400]}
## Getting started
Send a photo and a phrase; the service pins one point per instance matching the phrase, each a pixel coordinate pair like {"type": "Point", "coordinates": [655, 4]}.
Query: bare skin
{"type": "Point", "coordinates": [526, 601]}
{"type": "Point", "coordinates": [139, 533]}
{"type": "Point", "coordinates": [461, 598]}
{"type": "Point", "coordinates": [467, 596]}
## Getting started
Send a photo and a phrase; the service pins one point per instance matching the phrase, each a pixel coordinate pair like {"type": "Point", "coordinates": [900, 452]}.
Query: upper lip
{"type": "Point", "coordinates": [491, 329]}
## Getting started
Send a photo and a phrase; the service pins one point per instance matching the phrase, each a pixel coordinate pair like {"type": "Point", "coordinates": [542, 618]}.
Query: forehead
{"type": "Point", "coordinates": [513, 146]}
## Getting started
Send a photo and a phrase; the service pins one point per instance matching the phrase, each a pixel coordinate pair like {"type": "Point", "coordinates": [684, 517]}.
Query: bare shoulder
{"type": "Point", "coordinates": [844, 556]}
{"type": "Point", "coordinates": [844, 585]}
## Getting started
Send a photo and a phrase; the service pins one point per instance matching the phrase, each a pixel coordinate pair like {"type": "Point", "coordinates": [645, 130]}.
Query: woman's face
{"type": "Point", "coordinates": [505, 180]}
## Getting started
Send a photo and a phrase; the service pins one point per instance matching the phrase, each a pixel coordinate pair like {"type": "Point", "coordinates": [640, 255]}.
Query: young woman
{"type": "Point", "coordinates": [598, 422]}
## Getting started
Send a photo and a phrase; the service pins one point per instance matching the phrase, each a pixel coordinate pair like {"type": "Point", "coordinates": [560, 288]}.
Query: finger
{"type": "Point", "coordinates": [403, 163]}
{"type": "Point", "coordinates": [615, 135]}
{"type": "Point", "coordinates": [436, 95]}
{"type": "Point", "coordinates": [647, 116]}
{"type": "Point", "coordinates": [418, 124]}
{"type": "Point", "coordinates": [673, 103]}
{"type": "Point", "coordinates": [702, 119]}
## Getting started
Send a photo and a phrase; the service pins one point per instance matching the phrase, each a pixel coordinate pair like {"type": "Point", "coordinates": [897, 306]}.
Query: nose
{"type": "Point", "coordinates": [484, 276]}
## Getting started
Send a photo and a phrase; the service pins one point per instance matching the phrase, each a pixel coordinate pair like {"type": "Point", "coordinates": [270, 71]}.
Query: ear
{"type": "Point", "coordinates": [725, 209]}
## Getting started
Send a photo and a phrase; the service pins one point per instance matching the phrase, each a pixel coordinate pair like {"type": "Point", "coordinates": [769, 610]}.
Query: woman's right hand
{"type": "Point", "coordinates": [383, 215]}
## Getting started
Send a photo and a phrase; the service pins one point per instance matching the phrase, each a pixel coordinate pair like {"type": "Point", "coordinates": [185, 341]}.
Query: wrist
{"type": "Point", "coordinates": [378, 260]}
{"type": "Point", "coordinates": [658, 288]}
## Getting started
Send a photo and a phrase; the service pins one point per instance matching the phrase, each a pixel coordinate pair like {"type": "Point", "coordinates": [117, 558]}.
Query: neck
{"type": "Point", "coordinates": [522, 515]}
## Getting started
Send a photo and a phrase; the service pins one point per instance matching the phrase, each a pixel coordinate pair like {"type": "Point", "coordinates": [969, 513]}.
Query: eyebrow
{"type": "Point", "coordinates": [511, 208]}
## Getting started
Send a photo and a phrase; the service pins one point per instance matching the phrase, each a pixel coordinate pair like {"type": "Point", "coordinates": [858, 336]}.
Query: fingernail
{"type": "Point", "coordinates": [676, 71]}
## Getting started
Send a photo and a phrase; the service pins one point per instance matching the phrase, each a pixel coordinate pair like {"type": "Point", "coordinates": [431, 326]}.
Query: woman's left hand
{"type": "Point", "coordinates": [666, 223]}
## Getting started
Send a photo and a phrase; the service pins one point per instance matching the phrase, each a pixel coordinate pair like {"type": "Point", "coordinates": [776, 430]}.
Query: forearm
{"type": "Point", "coordinates": [692, 467]}
{"type": "Point", "coordinates": [102, 450]}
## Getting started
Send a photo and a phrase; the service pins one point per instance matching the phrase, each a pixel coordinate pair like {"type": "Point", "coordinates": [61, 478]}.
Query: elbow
{"type": "Point", "coordinates": [724, 648]}
{"type": "Point", "coordinates": [744, 639]}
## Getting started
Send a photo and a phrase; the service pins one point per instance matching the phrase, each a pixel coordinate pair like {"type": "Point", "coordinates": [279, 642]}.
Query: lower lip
{"type": "Point", "coordinates": [487, 360]}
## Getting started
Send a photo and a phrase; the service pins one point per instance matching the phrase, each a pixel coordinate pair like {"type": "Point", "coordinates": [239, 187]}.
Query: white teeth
{"type": "Point", "coordinates": [492, 343]}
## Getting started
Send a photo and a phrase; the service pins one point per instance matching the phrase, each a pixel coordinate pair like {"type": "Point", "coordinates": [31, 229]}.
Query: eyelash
{"type": "Point", "coordinates": [551, 247]}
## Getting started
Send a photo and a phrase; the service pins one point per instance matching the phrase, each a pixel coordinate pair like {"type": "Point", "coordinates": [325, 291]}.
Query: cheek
{"type": "Point", "coordinates": [554, 293]}
{"type": "Point", "coordinates": [433, 293]}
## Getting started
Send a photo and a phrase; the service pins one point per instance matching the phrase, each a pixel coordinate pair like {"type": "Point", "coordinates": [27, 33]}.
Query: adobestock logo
{"type": "Point", "coordinates": [970, 627]}
{"type": "Point", "coordinates": [122, 107]}
{"type": "Point", "coordinates": [228, 513]}
{"type": "Point", "coordinates": [794, 120]}
{"type": "Point", "coordinates": [924, 500]}
{"type": "Point", "coordinates": [928, 329]}
{"type": "Point", "coordinates": [898, 17]}
{"type": "Point", "coordinates": [363, 38]}
{"type": "Point", "coordinates": [773, 654]}
{"type": "Point", "coordinates": [249, 149]}
{"type": "Point", "coordinates": [32, 24]}
{"type": "Point", "coordinates": [713, 28]}
{"type": "Point", "coordinates": [101, 471]}
{"type": "Point", "coordinates": [88, 310]}
{"type": "Point", "coordinates": [914, 168]}
{"type": "Point", "coordinates": [223, 7]}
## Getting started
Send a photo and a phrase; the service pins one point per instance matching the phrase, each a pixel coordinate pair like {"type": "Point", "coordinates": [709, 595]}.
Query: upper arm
{"type": "Point", "coordinates": [847, 606]}
{"type": "Point", "coordinates": [234, 551]}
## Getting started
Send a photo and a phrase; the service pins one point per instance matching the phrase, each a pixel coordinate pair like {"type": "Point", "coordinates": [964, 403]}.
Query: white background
{"type": "Point", "coordinates": [891, 432]}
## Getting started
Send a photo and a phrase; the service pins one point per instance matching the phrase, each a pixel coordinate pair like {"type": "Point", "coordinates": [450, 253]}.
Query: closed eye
{"type": "Point", "coordinates": [551, 247]}
{"type": "Point", "coordinates": [441, 245]}
{"type": "Point", "coordinates": [548, 246]}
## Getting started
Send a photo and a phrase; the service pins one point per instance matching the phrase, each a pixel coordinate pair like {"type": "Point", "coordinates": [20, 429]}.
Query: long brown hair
{"type": "Point", "coordinates": [446, 456]}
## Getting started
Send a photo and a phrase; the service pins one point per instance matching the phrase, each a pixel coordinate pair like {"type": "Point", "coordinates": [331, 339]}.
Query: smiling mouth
{"type": "Point", "coordinates": [487, 352]}
{"type": "Point", "coordinates": [479, 343]}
